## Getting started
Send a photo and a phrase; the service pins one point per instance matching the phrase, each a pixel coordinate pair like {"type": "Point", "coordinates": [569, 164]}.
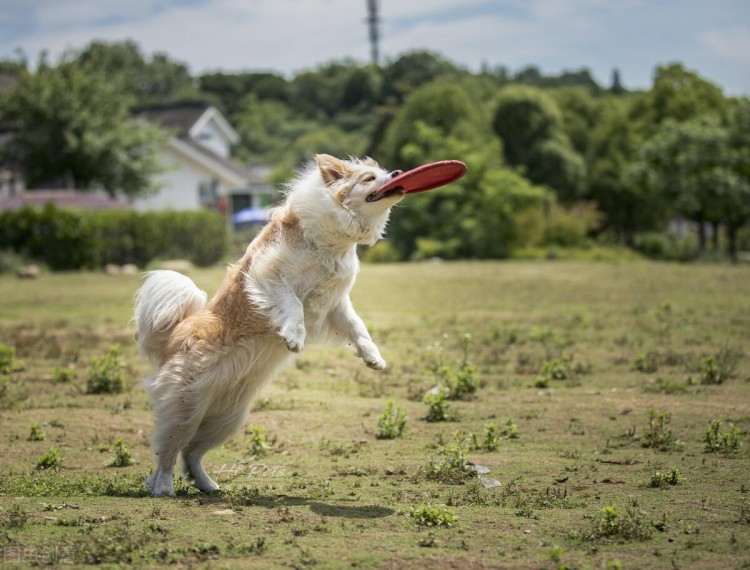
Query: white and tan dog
{"type": "Point", "coordinates": [291, 287]}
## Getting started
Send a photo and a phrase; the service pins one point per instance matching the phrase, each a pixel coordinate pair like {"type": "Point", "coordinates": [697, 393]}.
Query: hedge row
{"type": "Point", "coordinates": [70, 239]}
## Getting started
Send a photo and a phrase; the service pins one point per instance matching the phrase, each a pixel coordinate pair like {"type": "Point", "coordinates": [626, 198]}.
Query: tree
{"type": "Point", "coordinates": [531, 127]}
{"type": "Point", "coordinates": [627, 206]}
{"type": "Point", "coordinates": [702, 166]}
{"type": "Point", "coordinates": [412, 70]}
{"type": "Point", "coordinates": [475, 216]}
{"type": "Point", "coordinates": [231, 88]}
{"type": "Point", "coordinates": [442, 105]}
{"type": "Point", "coordinates": [72, 127]}
{"type": "Point", "coordinates": [154, 80]}
{"type": "Point", "coordinates": [676, 94]}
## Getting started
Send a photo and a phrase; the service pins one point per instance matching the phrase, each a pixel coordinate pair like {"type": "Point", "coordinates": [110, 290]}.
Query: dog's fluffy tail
{"type": "Point", "coordinates": [164, 300]}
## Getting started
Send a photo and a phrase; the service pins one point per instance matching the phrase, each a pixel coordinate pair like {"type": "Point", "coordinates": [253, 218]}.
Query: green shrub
{"type": "Point", "coordinates": [259, 445]}
{"type": "Point", "coordinates": [665, 478]}
{"type": "Point", "coordinates": [632, 524]}
{"type": "Point", "coordinates": [666, 246]}
{"type": "Point", "coordinates": [105, 374]}
{"type": "Point", "coordinates": [50, 460]}
{"type": "Point", "coordinates": [451, 466]}
{"type": "Point", "coordinates": [122, 457]}
{"type": "Point", "coordinates": [433, 515]}
{"type": "Point", "coordinates": [69, 239]}
{"type": "Point", "coordinates": [727, 443]}
{"type": "Point", "coordinates": [438, 410]}
{"type": "Point", "coordinates": [36, 433]}
{"type": "Point", "coordinates": [658, 435]}
{"type": "Point", "coordinates": [10, 261]}
{"type": "Point", "coordinates": [491, 438]}
{"type": "Point", "coordinates": [391, 423]}
{"type": "Point", "coordinates": [510, 430]}
{"type": "Point", "coordinates": [8, 361]}
{"type": "Point", "coordinates": [719, 368]}
{"type": "Point", "coordinates": [646, 362]}
{"type": "Point", "coordinates": [14, 517]}
{"type": "Point", "coordinates": [63, 375]}
{"type": "Point", "coordinates": [382, 252]}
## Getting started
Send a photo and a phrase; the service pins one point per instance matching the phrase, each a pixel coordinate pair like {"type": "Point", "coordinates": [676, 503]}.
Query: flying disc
{"type": "Point", "coordinates": [425, 177]}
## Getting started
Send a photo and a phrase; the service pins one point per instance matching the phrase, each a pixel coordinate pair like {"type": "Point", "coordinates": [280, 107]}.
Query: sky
{"type": "Point", "coordinates": [288, 36]}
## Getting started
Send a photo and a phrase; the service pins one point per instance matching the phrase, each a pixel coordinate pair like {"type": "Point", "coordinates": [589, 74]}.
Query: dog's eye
{"type": "Point", "coordinates": [370, 178]}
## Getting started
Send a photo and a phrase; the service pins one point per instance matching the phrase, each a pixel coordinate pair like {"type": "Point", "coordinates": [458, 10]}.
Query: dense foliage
{"type": "Point", "coordinates": [69, 239]}
{"type": "Point", "coordinates": [553, 160]}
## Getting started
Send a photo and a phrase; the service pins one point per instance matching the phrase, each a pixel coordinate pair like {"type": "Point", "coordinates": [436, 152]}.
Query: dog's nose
{"type": "Point", "coordinates": [396, 173]}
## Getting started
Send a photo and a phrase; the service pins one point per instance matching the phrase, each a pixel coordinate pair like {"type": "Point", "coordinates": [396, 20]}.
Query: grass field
{"type": "Point", "coordinates": [565, 360]}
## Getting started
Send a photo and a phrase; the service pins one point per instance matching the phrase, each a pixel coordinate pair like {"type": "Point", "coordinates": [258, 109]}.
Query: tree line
{"type": "Point", "coordinates": [553, 159]}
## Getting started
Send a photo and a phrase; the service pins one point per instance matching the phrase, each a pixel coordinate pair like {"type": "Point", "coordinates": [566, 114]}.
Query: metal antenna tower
{"type": "Point", "coordinates": [373, 20]}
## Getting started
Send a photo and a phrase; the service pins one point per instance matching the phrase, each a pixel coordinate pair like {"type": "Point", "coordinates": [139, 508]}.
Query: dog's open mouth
{"type": "Point", "coordinates": [379, 195]}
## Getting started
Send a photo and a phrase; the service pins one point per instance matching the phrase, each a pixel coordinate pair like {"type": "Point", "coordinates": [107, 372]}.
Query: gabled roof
{"type": "Point", "coordinates": [187, 118]}
{"type": "Point", "coordinates": [178, 117]}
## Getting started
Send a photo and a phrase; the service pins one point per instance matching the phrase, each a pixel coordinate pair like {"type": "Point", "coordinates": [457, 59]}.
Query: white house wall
{"type": "Point", "coordinates": [178, 186]}
{"type": "Point", "coordinates": [211, 137]}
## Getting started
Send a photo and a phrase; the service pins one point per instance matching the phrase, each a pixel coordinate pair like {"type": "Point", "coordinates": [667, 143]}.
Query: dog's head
{"type": "Point", "coordinates": [356, 183]}
{"type": "Point", "coordinates": [352, 187]}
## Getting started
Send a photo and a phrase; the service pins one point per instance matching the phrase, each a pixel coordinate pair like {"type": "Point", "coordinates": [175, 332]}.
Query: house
{"type": "Point", "coordinates": [198, 171]}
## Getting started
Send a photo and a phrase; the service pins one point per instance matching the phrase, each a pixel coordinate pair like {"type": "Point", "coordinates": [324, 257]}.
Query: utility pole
{"type": "Point", "coordinates": [373, 20]}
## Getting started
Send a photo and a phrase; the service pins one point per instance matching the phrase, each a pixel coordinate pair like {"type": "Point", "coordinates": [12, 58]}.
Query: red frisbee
{"type": "Point", "coordinates": [425, 177]}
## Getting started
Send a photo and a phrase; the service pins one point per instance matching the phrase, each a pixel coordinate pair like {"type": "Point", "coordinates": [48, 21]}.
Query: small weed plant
{"type": "Point", "coordinates": [451, 466]}
{"type": "Point", "coordinates": [14, 517]}
{"type": "Point", "coordinates": [391, 422]}
{"type": "Point", "coordinates": [489, 442]}
{"type": "Point", "coordinates": [457, 382]}
{"type": "Point", "coordinates": [105, 374]}
{"type": "Point", "coordinates": [646, 362]}
{"type": "Point", "coordinates": [719, 368]}
{"type": "Point", "coordinates": [728, 442]}
{"type": "Point", "coordinates": [50, 460]}
{"type": "Point", "coordinates": [511, 430]}
{"type": "Point", "coordinates": [438, 409]}
{"type": "Point", "coordinates": [660, 479]}
{"type": "Point", "coordinates": [629, 524]}
{"type": "Point", "coordinates": [433, 515]}
{"type": "Point", "coordinates": [259, 445]}
{"type": "Point", "coordinates": [36, 433]}
{"type": "Point", "coordinates": [8, 361]}
{"type": "Point", "coordinates": [122, 457]}
{"type": "Point", "coordinates": [658, 435]}
{"type": "Point", "coordinates": [63, 375]}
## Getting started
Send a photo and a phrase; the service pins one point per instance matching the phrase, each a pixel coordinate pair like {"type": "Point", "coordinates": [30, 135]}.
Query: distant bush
{"type": "Point", "coordinates": [666, 247]}
{"type": "Point", "coordinates": [67, 239]}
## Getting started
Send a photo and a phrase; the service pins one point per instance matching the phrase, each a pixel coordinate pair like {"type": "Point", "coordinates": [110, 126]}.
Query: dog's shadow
{"type": "Point", "coordinates": [344, 511]}
{"type": "Point", "coordinates": [317, 507]}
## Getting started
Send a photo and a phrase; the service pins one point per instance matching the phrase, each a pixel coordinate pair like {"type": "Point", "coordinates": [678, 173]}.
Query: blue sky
{"type": "Point", "coordinates": [712, 38]}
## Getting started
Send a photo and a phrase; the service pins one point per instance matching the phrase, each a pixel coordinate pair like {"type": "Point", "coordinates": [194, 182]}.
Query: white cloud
{"type": "Point", "coordinates": [732, 43]}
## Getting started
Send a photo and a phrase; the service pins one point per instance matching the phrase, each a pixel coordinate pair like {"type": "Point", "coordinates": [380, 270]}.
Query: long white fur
{"type": "Point", "coordinates": [201, 394]}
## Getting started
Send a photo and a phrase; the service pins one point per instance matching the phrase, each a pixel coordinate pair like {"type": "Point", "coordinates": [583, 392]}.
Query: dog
{"type": "Point", "coordinates": [290, 288]}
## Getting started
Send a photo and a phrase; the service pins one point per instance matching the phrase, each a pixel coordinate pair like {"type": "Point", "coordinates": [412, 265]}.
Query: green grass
{"type": "Point", "coordinates": [575, 353]}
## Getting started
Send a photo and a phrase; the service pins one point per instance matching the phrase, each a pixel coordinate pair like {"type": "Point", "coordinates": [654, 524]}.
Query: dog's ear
{"type": "Point", "coordinates": [331, 168]}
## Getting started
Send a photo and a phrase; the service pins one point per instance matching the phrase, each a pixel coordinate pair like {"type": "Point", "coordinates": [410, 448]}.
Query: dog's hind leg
{"type": "Point", "coordinates": [171, 434]}
{"type": "Point", "coordinates": [213, 431]}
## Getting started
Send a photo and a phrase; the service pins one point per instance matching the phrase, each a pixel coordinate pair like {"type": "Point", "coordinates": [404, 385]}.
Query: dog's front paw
{"type": "Point", "coordinates": [294, 337]}
{"type": "Point", "coordinates": [371, 355]}
{"type": "Point", "coordinates": [376, 363]}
